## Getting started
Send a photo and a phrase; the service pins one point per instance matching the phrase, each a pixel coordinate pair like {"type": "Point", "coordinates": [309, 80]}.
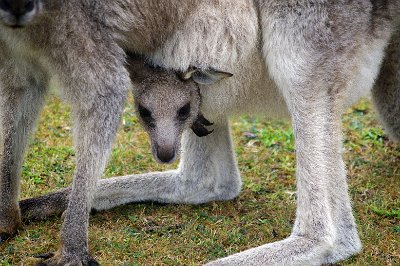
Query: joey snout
{"type": "Point", "coordinates": [165, 142]}
{"type": "Point", "coordinates": [165, 153]}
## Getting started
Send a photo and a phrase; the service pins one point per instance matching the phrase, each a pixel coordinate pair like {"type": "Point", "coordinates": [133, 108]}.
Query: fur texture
{"type": "Point", "coordinates": [308, 59]}
{"type": "Point", "coordinates": [386, 92]}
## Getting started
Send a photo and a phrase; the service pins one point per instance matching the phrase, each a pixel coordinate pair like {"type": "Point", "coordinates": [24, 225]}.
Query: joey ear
{"type": "Point", "coordinates": [205, 76]}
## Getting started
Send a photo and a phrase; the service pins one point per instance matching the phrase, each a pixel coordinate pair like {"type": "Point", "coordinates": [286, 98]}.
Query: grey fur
{"type": "Point", "coordinates": [310, 59]}
{"type": "Point", "coordinates": [386, 92]}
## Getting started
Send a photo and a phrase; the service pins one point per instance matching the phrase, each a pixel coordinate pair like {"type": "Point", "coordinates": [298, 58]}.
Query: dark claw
{"type": "Point", "coordinates": [4, 237]}
{"type": "Point", "coordinates": [44, 257]}
{"type": "Point", "coordinates": [93, 262]}
{"type": "Point", "coordinates": [201, 131]}
{"type": "Point", "coordinates": [199, 125]}
{"type": "Point", "coordinates": [201, 119]}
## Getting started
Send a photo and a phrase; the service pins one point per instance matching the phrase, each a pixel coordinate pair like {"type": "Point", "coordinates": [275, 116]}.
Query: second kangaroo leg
{"type": "Point", "coordinates": [94, 132]}
{"type": "Point", "coordinates": [207, 172]}
{"type": "Point", "coordinates": [386, 93]}
{"type": "Point", "coordinates": [21, 99]}
{"type": "Point", "coordinates": [97, 92]}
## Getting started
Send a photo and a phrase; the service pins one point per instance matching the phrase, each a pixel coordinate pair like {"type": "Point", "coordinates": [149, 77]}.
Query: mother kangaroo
{"type": "Point", "coordinates": [310, 58]}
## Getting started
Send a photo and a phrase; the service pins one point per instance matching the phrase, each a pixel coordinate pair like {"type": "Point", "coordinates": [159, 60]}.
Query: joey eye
{"type": "Point", "coordinates": [184, 112]}
{"type": "Point", "coordinates": [145, 114]}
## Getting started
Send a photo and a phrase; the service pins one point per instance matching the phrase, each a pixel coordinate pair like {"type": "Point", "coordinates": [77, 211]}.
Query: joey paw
{"type": "Point", "coordinates": [199, 126]}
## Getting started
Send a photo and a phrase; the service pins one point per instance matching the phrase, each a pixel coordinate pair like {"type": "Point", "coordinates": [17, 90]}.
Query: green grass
{"type": "Point", "coordinates": [145, 234]}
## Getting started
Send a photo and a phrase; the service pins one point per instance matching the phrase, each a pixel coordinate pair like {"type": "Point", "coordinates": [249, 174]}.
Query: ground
{"type": "Point", "coordinates": [155, 234]}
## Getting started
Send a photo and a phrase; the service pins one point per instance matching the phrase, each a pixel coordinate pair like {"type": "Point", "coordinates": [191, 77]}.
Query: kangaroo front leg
{"type": "Point", "coordinates": [95, 128]}
{"type": "Point", "coordinates": [313, 80]}
{"type": "Point", "coordinates": [21, 99]}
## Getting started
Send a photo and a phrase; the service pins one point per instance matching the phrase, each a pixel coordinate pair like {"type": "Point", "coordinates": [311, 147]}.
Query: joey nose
{"type": "Point", "coordinates": [17, 7]}
{"type": "Point", "coordinates": [5, 5]}
{"type": "Point", "coordinates": [18, 12]}
{"type": "Point", "coordinates": [165, 154]}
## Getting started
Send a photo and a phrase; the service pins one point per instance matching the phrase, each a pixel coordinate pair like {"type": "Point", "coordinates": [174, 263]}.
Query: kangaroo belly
{"type": "Point", "coordinates": [224, 37]}
{"type": "Point", "coordinates": [249, 91]}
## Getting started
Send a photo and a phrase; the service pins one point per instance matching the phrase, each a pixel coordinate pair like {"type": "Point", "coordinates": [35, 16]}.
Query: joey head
{"type": "Point", "coordinates": [168, 102]}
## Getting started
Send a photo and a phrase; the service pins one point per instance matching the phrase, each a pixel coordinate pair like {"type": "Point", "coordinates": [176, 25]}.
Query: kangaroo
{"type": "Point", "coordinates": [306, 59]}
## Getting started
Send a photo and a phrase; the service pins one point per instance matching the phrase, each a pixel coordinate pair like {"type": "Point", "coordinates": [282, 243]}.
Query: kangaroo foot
{"type": "Point", "coordinates": [10, 222]}
{"type": "Point", "coordinates": [51, 259]}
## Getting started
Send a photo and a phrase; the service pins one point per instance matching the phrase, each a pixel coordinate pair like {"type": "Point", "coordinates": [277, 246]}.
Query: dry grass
{"type": "Point", "coordinates": [154, 234]}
